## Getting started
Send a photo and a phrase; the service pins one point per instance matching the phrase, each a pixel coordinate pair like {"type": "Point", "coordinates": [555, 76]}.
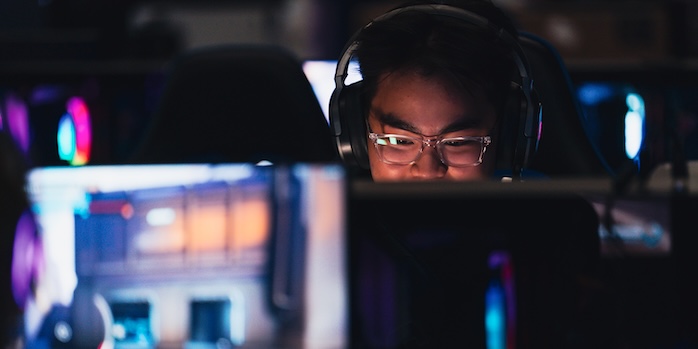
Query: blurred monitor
{"type": "Point", "coordinates": [190, 256]}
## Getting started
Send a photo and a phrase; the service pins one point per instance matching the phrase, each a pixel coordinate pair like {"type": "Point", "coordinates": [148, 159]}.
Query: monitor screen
{"type": "Point", "coordinates": [189, 256]}
{"type": "Point", "coordinates": [321, 73]}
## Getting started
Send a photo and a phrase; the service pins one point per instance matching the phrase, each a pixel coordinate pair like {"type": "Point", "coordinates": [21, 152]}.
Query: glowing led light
{"type": "Point", "coordinates": [66, 138]}
{"type": "Point", "coordinates": [500, 307]}
{"type": "Point", "coordinates": [160, 216]}
{"type": "Point", "coordinates": [27, 257]}
{"type": "Point", "coordinates": [495, 317]}
{"type": "Point", "coordinates": [83, 130]}
{"type": "Point", "coordinates": [127, 211]}
{"type": "Point", "coordinates": [75, 133]}
{"type": "Point", "coordinates": [594, 93]}
{"type": "Point", "coordinates": [17, 120]}
{"type": "Point", "coordinates": [63, 332]}
{"type": "Point", "coordinates": [634, 124]}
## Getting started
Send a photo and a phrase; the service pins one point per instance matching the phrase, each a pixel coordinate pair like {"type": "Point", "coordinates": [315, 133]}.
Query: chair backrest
{"type": "Point", "coordinates": [237, 103]}
{"type": "Point", "coordinates": [565, 149]}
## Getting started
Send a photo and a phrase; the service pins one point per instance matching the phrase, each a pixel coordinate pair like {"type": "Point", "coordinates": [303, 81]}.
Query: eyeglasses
{"type": "Point", "coordinates": [455, 151]}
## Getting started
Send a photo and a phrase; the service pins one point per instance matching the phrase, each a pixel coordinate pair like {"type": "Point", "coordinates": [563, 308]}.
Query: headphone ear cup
{"type": "Point", "coordinates": [351, 140]}
{"type": "Point", "coordinates": [508, 132]}
{"type": "Point", "coordinates": [519, 132]}
{"type": "Point", "coordinates": [531, 124]}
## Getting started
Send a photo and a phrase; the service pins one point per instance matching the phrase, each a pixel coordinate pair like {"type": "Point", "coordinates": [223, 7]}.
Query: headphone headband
{"type": "Point", "coordinates": [435, 9]}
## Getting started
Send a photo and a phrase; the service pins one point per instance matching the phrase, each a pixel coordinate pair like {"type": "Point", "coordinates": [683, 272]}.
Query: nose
{"type": "Point", "coordinates": [428, 166]}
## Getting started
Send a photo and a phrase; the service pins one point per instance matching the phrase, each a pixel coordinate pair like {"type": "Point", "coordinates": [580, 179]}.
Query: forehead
{"type": "Point", "coordinates": [430, 103]}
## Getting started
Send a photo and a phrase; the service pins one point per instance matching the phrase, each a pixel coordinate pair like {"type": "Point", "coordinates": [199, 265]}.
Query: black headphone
{"type": "Point", "coordinates": [349, 130]}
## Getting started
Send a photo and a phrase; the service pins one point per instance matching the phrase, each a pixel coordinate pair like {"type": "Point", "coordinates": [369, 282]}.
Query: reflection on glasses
{"type": "Point", "coordinates": [454, 151]}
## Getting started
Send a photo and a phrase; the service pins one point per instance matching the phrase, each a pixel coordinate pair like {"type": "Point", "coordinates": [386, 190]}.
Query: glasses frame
{"type": "Point", "coordinates": [434, 142]}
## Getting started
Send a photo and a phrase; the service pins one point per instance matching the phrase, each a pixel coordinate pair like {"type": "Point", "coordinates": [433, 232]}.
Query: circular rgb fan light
{"type": "Point", "coordinates": [75, 133]}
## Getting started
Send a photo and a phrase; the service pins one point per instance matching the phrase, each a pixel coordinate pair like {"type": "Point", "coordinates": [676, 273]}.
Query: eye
{"type": "Point", "coordinates": [459, 142]}
{"type": "Point", "coordinates": [395, 140]}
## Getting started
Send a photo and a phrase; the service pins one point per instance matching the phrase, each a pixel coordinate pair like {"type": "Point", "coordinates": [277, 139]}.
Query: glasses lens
{"type": "Point", "coordinates": [397, 149]}
{"type": "Point", "coordinates": [461, 152]}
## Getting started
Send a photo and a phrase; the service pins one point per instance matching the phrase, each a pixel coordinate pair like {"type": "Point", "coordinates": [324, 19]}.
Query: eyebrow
{"type": "Point", "coordinates": [393, 121]}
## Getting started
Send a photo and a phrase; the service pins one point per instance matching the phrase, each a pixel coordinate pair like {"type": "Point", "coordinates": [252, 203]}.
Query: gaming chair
{"type": "Point", "coordinates": [237, 103]}
{"type": "Point", "coordinates": [565, 149]}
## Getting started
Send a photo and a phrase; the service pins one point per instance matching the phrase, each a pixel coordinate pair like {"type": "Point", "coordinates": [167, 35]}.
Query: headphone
{"type": "Point", "coordinates": [348, 125]}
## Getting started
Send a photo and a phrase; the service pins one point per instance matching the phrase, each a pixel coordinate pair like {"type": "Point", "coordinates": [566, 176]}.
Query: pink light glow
{"type": "Point", "coordinates": [27, 259]}
{"type": "Point", "coordinates": [502, 260]}
{"type": "Point", "coordinates": [83, 131]}
{"type": "Point", "coordinates": [17, 121]}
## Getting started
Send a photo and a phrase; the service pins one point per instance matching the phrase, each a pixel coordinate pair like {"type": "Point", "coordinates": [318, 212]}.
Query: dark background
{"type": "Point", "coordinates": [119, 49]}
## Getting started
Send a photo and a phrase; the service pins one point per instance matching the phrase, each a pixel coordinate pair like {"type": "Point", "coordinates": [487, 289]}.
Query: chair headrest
{"type": "Point", "coordinates": [237, 103]}
{"type": "Point", "coordinates": [565, 148]}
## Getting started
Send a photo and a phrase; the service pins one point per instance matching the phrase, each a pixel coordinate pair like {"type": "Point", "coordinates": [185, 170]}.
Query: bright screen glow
{"type": "Point", "coordinates": [150, 253]}
{"type": "Point", "coordinates": [321, 77]}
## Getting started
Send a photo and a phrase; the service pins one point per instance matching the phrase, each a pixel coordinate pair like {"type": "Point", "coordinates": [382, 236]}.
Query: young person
{"type": "Point", "coordinates": [444, 85]}
{"type": "Point", "coordinates": [445, 94]}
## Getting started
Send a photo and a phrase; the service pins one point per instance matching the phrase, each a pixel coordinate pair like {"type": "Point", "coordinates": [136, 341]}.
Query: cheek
{"type": "Point", "coordinates": [381, 171]}
{"type": "Point", "coordinates": [484, 171]}
{"type": "Point", "coordinates": [468, 173]}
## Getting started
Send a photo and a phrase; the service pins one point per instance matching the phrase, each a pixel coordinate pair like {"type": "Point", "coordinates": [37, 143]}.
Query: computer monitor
{"type": "Point", "coordinates": [474, 264]}
{"type": "Point", "coordinates": [190, 256]}
{"type": "Point", "coordinates": [481, 264]}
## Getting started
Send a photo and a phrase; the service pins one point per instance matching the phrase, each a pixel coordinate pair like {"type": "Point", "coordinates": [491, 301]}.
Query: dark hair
{"type": "Point", "coordinates": [435, 45]}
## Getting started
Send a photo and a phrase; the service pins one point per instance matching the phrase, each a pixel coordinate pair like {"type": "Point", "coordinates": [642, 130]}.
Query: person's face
{"type": "Point", "coordinates": [414, 105]}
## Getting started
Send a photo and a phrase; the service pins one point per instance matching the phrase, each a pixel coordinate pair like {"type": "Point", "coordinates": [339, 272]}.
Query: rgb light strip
{"type": "Point", "coordinates": [500, 307]}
